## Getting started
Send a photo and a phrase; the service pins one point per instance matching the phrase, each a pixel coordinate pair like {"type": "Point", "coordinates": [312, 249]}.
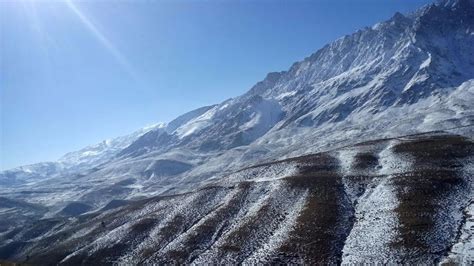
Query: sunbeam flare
{"type": "Point", "coordinates": [102, 39]}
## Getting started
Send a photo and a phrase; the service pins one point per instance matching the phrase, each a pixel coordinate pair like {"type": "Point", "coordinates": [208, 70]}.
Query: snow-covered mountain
{"type": "Point", "coordinates": [394, 64]}
{"type": "Point", "coordinates": [156, 138]}
{"type": "Point", "coordinates": [83, 159]}
{"type": "Point", "coordinates": [412, 73]}
{"type": "Point", "coordinates": [105, 150]}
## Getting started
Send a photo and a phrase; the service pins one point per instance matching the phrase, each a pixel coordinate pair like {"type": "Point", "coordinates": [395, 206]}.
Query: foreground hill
{"type": "Point", "coordinates": [405, 200]}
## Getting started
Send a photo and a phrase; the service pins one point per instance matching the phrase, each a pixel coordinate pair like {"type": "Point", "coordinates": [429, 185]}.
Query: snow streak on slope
{"type": "Point", "coordinates": [462, 251]}
{"type": "Point", "coordinates": [368, 182]}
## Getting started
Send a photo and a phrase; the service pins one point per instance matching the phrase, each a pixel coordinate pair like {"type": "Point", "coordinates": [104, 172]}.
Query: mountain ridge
{"type": "Point", "coordinates": [260, 169]}
{"type": "Point", "coordinates": [372, 74]}
{"type": "Point", "coordinates": [268, 87]}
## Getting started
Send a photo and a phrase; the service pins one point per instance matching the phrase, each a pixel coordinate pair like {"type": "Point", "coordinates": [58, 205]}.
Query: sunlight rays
{"type": "Point", "coordinates": [33, 9]}
{"type": "Point", "coordinates": [102, 39]}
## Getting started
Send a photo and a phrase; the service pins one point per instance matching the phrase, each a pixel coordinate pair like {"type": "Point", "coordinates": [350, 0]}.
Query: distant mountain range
{"type": "Point", "coordinates": [189, 190]}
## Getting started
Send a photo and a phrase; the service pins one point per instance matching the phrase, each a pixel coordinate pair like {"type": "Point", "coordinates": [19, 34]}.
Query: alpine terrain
{"type": "Point", "coordinates": [362, 152]}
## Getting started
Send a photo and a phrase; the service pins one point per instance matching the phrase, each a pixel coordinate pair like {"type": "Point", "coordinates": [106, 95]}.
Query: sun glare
{"type": "Point", "coordinates": [32, 9]}
{"type": "Point", "coordinates": [101, 37]}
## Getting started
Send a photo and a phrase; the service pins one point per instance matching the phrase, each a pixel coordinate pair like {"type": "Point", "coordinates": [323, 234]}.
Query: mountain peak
{"type": "Point", "coordinates": [398, 16]}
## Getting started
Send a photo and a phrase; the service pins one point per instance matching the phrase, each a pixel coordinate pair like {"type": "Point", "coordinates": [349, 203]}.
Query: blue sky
{"type": "Point", "coordinates": [75, 73]}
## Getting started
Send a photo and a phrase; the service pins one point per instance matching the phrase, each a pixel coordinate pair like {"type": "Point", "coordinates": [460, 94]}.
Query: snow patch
{"type": "Point", "coordinates": [426, 63]}
{"type": "Point", "coordinates": [197, 124]}
{"type": "Point", "coordinates": [285, 95]}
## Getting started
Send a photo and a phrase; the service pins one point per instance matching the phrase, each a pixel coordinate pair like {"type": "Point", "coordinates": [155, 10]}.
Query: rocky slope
{"type": "Point", "coordinates": [402, 200]}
